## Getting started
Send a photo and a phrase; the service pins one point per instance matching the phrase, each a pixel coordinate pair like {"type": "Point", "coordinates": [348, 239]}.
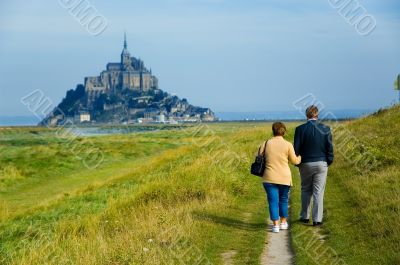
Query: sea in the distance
{"type": "Point", "coordinates": [224, 116]}
{"type": "Point", "coordinates": [291, 115]}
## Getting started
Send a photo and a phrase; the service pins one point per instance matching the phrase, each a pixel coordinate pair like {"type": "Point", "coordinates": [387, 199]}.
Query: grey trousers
{"type": "Point", "coordinates": [313, 180]}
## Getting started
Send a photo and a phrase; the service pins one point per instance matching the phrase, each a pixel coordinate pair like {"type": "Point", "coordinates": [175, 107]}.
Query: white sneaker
{"type": "Point", "coordinates": [284, 226]}
{"type": "Point", "coordinates": [275, 229]}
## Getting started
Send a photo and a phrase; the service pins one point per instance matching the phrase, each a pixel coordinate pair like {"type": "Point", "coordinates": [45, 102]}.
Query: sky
{"type": "Point", "coordinates": [229, 55]}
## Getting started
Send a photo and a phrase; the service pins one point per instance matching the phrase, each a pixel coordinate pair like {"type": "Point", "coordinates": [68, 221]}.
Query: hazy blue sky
{"type": "Point", "coordinates": [230, 55]}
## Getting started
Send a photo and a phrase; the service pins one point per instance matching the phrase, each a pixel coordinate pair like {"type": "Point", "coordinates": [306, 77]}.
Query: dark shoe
{"type": "Point", "coordinates": [317, 223]}
{"type": "Point", "coordinates": [306, 221]}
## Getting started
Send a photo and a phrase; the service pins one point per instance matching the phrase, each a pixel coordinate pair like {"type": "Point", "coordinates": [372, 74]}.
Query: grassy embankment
{"type": "Point", "coordinates": [158, 197]}
{"type": "Point", "coordinates": [362, 202]}
{"type": "Point", "coordinates": [161, 197]}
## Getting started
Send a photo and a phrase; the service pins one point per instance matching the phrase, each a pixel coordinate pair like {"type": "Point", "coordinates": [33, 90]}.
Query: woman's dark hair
{"type": "Point", "coordinates": [278, 129]}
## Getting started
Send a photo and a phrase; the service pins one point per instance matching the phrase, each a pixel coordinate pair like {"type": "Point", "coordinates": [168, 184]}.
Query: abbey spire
{"type": "Point", "coordinates": [125, 49]}
{"type": "Point", "coordinates": [125, 55]}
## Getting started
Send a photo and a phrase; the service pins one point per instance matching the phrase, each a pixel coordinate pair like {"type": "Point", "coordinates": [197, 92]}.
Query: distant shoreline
{"type": "Point", "coordinates": [265, 116]}
{"type": "Point", "coordinates": [97, 125]}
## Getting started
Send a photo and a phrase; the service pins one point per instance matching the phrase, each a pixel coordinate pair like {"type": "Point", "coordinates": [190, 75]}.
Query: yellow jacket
{"type": "Point", "coordinates": [279, 153]}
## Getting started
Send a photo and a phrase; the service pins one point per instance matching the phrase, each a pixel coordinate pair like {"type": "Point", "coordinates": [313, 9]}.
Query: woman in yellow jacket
{"type": "Point", "coordinates": [277, 178]}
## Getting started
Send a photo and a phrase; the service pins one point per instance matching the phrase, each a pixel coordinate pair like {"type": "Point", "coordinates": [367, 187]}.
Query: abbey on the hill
{"type": "Point", "coordinates": [126, 92]}
{"type": "Point", "coordinates": [130, 73]}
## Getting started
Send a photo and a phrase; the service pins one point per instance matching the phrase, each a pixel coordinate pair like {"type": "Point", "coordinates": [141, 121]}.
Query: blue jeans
{"type": "Point", "coordinates": [278, 199]}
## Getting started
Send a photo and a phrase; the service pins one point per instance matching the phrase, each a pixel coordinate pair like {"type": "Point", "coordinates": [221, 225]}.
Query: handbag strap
{"type": "Point", "coordinates": [265, 147]}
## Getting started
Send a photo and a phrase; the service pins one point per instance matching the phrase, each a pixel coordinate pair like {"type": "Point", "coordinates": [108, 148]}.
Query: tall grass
{"type": "Point", "coordinates": [40, 165]}
{"type": "Point", "coordinates": [361, 205]}
{"type": "Point", "coordinates": [182, 205]}
{"type": "Point", "coordinates": [177, 197]}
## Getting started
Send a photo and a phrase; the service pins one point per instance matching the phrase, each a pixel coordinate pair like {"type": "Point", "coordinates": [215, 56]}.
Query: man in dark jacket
{"type": "Point", "coordinates": [313, 141]}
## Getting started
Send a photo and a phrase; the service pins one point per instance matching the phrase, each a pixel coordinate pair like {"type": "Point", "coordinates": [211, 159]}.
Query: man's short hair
{"type": "Point", "coordinates": [312, 112]}
{"type": "Point", "coordinates": [278, 129]}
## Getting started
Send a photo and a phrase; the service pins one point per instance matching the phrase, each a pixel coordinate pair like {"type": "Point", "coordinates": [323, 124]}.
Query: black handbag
{"type": "Point", "coordinates": [258, 167]}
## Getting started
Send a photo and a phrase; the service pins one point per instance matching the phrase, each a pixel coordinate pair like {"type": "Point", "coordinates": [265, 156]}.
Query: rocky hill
{"type": "Point", "coordinates": [126, 92]}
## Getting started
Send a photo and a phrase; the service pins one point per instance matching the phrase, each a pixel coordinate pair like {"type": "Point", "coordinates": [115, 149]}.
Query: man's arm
{"type": "Point", "coordinates": [297, 141]}
{"type": "Point", "coordinates": [329, 147]}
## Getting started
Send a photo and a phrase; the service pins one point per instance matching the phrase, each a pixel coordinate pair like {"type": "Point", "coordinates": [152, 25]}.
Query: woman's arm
{"type": "Point", "coordinates": [295, 160]}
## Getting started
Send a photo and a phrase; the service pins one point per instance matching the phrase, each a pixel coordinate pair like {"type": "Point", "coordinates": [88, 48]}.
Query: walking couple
{"type": "Point", "coordinates": [312, 153]}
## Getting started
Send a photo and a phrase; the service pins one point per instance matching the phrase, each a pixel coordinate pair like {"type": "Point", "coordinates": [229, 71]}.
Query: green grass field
{"type": "Point", "coordinates": [155, 196]}
{"type": "Point", "coordinates": [181, 196]}
{"type": "Point", "coordinates": [362, 197]}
